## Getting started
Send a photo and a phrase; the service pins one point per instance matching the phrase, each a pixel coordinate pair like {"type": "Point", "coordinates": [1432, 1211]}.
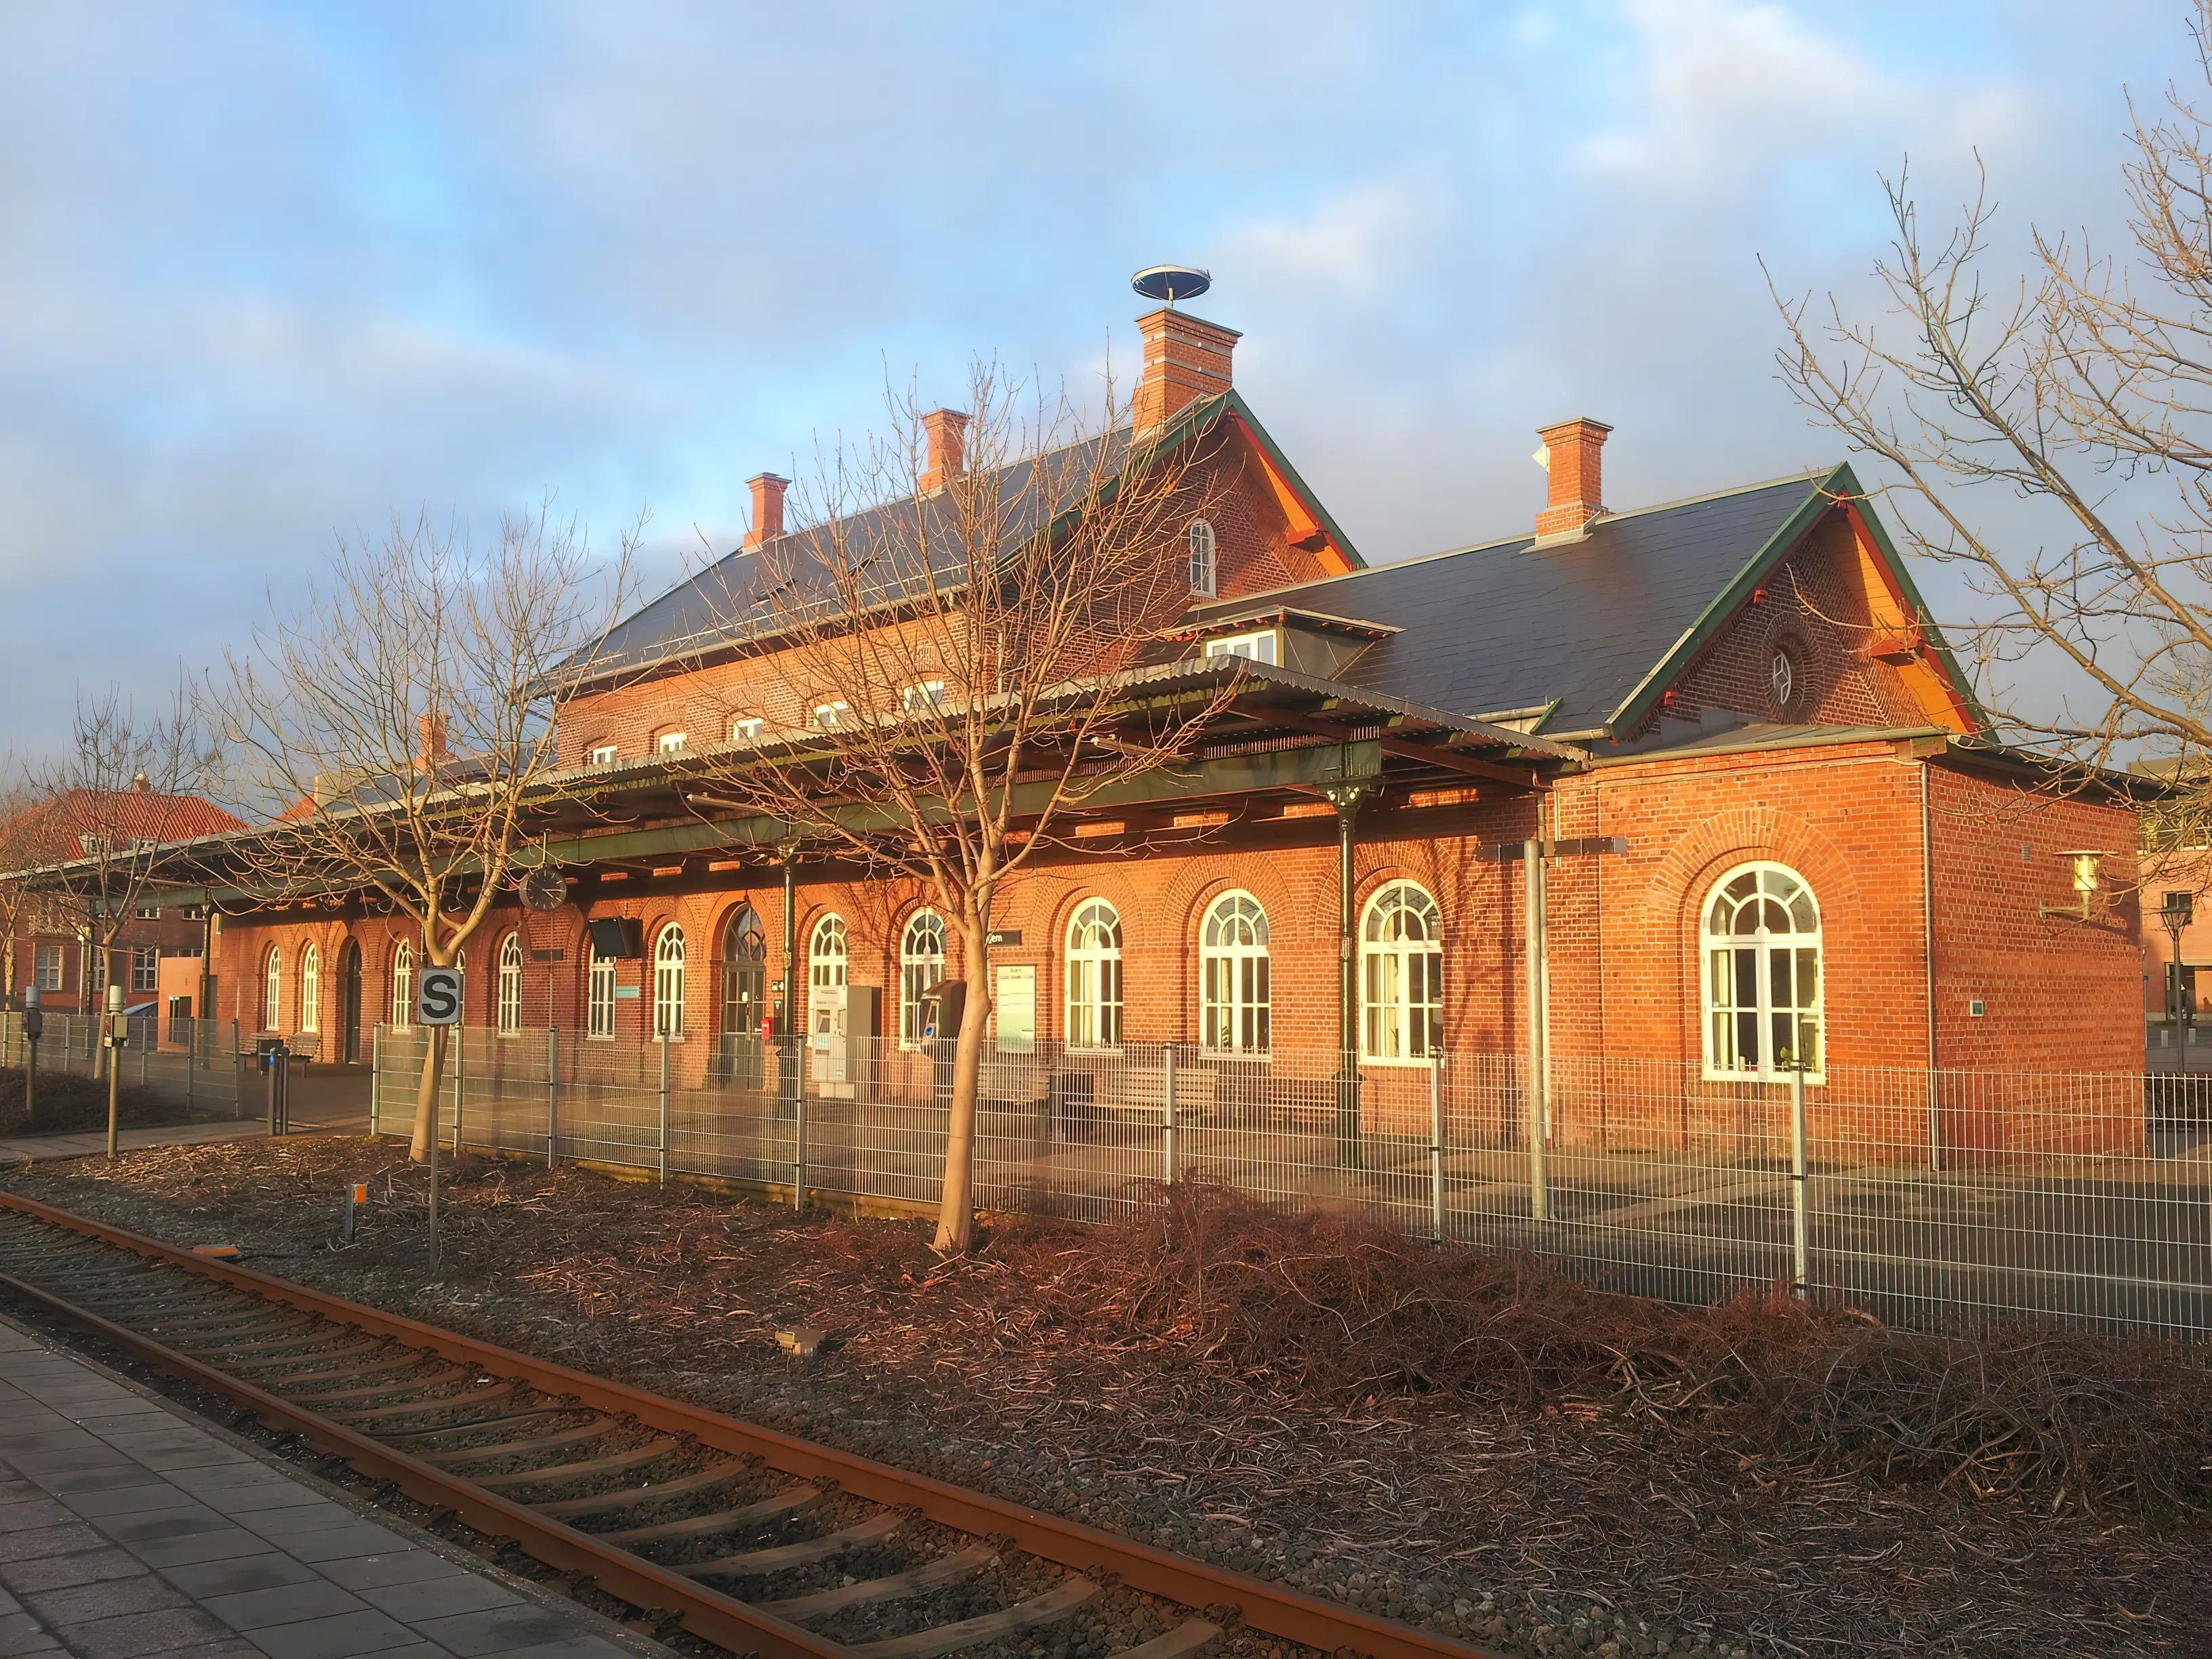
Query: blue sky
{"type": "Point", "coordinates": [271, 274]}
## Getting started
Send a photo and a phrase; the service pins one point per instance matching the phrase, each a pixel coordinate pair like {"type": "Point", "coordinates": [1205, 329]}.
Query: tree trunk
{"type": "Point", "coordinates": [426, 1095]}
{"type": "Point", "coordinates": [956, 1209]}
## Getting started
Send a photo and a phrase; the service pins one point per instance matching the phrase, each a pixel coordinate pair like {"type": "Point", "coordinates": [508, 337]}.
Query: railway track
{"type": "Point", "coordinates": [752, 1539]}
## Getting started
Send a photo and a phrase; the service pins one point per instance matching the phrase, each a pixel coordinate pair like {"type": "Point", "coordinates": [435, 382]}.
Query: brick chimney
{"type": "Point", "coordinates": [947, 431]}
{"type": "Point", "coordinates": [768, 507]}
{"type": "Point", "coordinates": [429, 741]}
{"type": "Point", "coordinates": [1572, 453]}
{"type": "Point", "coordinates": [1186, 358]}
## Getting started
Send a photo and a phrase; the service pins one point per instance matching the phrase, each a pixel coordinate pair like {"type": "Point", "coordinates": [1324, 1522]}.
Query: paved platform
{"type": "Point", "coordinates": [129, 1529]}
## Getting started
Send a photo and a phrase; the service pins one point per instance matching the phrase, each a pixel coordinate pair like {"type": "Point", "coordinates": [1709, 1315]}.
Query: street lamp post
{"type": "Point", "coordinates": [2175, 915]}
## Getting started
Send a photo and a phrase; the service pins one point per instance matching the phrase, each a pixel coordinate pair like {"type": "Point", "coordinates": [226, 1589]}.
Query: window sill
{"type": "Point", "coordinates": [1399, 1062]}
{"type": "Point", "coordinates": [1779, 1079]}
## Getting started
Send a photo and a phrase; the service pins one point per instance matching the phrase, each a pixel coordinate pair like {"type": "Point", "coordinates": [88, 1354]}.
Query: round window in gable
{"type": "Point", "coordinates": [1785, 679]}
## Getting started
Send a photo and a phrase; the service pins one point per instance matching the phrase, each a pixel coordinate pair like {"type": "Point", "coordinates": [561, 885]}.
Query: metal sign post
{"type": "Point", "coordinates": [34, 1023]}
{"type": "Point", "coordinates": [115, 1037]}
{"type": "Point", "coordinates": [437, 1005]}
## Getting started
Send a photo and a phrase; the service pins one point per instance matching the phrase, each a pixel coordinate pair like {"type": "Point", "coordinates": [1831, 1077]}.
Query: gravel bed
{"type": "Point", "coordinates": [1557, 1529]}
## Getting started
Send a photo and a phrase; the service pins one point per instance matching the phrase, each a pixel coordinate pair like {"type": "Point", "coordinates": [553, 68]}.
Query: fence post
{"type": "Point", "coordinates": [375, 1081]}
{"type": "Point", "coordinates": [1540, 1186]}
{"type": "Point", "coordinates": [191, 1062]}
{"type": "Point", "coordinates": [237, 1089]}
{"type": "Point", "coordinates": [664, 1108]}
{"type": "Point", "coordinates": [1800, 1271]}
{"type": "Point", "coordinates": [1436, 1147]}
{"type": "Point", "coordinates": [1168, 1112]}
{"type": "Point", "coordinates": [798, 1123]}
{"type": "Point", "coordinates": [461, 1055]}
{"type": "Point", "coordinates": [552, 1096]}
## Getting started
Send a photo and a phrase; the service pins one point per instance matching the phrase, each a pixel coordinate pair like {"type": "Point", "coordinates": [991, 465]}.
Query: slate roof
{"type": "Point", "coordinates": [1508, 625]}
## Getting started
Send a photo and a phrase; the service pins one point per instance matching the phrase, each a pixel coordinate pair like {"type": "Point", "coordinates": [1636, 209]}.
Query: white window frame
{"type": "Point", "coordinates": [507, 1016]}
{"type": "Point", "coordinates": [148, 913]}
{"type": "Point", "coordinates": [830, 716]}
{"type": "Point", "coordinates": [403, 985]}
{"type": "Point", "coordinates": [604, 754]}
{"type": "Point", "coordinates": [671, 742]}
{"type": "Point", "coordinates": [1093, 954]}
{"type": "Point", "coordinates": [747, 728]}
{"type": "Point", "coordinates": [599, 996]}
{"type": "Point", "coordinates": [311, 988]}
{"type": "Point", "coordinates": [1236, 978]}
{"type": "Point", "coordinates": [1402, 1013]}
{"type": "Point", "coordinates": [1204, 559]}
{"type": "Point", "coordinates": [668, 954]}
{"type": "Point", "coordinates": [47, 964]}
{"type": "Point", "coordinates": [923, 694]}
{"type": "Point", "coordinates": [922, 965]}
{"type": "Point", "coordinates": [145, 968]}
{"type": "Point", "coordinates": [1264, 646]}
{"type": "Point", "coordinates": [272, 989]}
{"type": "Point", "coordinates": [1731, 963]}
{"type": "Point", "coordinates": [829, 962]}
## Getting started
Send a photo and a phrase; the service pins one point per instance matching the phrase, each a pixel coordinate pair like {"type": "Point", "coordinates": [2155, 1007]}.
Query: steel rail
{"type": "Point", "coordinates": [1273, 1609]}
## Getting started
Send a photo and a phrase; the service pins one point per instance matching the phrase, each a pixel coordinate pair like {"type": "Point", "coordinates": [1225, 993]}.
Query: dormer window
{"type": "Point", "coordinates": [604, 754]}
{"type": "Point", "coordinates": [829, 716]}
{"type": "Point", "coordinates": [671, 742]}
{"type": "Point", "coordinates": [747, 728]}
{"type": "Point", "coordinates": [1205, 563]}
{"type": "Point", "coordinates": [928, 694]}
{"type": "Point", "coordinates": [1253, 647]}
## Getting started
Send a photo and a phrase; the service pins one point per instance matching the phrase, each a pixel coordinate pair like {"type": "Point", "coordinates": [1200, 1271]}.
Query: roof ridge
{"type": "Point", "coordinates": [1518, 543]}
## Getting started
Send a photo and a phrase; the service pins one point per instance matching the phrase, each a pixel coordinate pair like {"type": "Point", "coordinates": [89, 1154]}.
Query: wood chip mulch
{"type": "Point", "coordinates": [1478, 1446]}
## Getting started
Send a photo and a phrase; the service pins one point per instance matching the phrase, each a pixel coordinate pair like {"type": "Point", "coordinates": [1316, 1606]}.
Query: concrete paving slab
{"type": "Point", "coordinates": [341, 1636]}
{"type": "Point", "coordinates": [440, 1598]}
{"type": "Point", "coordinates": [496, 1629]}
{"type": "Point", "coordinates": [267, 1570]}
{"type": "Point", "coordinates": [247, 1611]}
{"type": "Point", "coordinates": [367, 1572]}
{"type": "Point", "coordinates": [145, 1534]}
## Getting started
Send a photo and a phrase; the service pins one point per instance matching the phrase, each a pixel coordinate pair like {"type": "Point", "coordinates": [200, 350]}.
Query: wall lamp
{"type": "Point", "coordinates": [2085, 865]}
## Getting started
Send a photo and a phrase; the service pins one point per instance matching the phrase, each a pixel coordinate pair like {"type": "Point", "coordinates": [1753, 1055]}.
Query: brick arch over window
{"type": "Point", "coordinates": [1675, 895]}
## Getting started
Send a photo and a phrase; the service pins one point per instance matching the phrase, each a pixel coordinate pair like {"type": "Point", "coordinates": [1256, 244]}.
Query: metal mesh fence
{"type": "Point", "coordinates": [191, 1063]}
{"type": "Point", "coordinates": [1921, 1196]}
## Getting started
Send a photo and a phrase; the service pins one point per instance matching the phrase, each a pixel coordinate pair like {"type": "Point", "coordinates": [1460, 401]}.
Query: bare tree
{"type": "Point", "coordinates": [393, 729]}
{"type": "Point", "coordinates": [122, 796]}
{"type": "Point", "coordinates": [25, 834]}
{"type": "Point", "coordinates": [2085, 392]}
{"type": "Point", "coordinates": [955, 661]}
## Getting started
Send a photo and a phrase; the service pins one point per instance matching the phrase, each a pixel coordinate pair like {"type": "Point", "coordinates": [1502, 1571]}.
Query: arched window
{"type": "Point", "coordinates": [1094, 977]}
{"type": "Point", "coordinates": [668, 983]}
{"type": "Point", "coordinates": [1232, 962]}
{"type": "Point", "coordinates": [403, 985]}
{"type": "Point", "coordinates": [1401, 974]}
{"type": "Point", "coordinates": [922, 965]}
{"type": "Point", "coordinates": [744, 972]}
{"type": "Point", "coordinates": [826, 961]}
{"type": "Point", "coordinates": [599, 992]}
{"type": "Point", "coordinates": [510, 984]}
{"type": "Point", "coordinates": [1205, 564]}
{"type": "Point", "coordinates": [1762, 973]}
{"type": "Point", "coordinates": [310, 989]}
{"type": "Point", "coordinates": [272, 990]}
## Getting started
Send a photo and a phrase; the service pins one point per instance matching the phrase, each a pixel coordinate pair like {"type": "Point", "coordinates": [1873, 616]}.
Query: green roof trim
{"type": "Point", "coordinates": [1824, 490]}
{"type": "Point", "coordinates": [1275, 457]}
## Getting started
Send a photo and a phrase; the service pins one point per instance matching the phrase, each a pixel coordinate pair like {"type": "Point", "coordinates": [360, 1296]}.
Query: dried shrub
{"type": "Point", "coordinates": [1322, 1304]}
{"type": "Point", "coordinates": [65, 1101]}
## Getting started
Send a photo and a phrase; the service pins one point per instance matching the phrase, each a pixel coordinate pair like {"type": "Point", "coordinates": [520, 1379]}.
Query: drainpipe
{"type": "Point", "coordinates": [787, 1049]}
{"type": "Point", "coordinates": [1927, 942]}
{"type": "Point", "coordinates": [1346, 797]}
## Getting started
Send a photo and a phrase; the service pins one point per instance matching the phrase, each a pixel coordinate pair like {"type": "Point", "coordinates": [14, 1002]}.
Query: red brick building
{"type": "Point", "coordinates": [1775, 831]}
{"type": "Point", "coordinates": [52, 948]}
